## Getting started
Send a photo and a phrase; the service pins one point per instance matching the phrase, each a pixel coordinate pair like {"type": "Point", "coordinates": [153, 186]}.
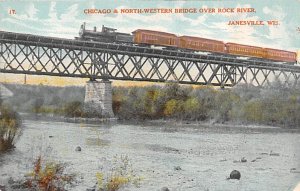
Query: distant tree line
{"type": "Point", "coordinates": [47, 99]}
{"type": "Point", "coordinates": [243, 104]}
{"type": "Point", "coordinates": [274, 105]}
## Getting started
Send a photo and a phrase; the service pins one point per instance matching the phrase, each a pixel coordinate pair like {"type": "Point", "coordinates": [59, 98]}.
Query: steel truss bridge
{"type": "Point", "coordinates": [40, 55]}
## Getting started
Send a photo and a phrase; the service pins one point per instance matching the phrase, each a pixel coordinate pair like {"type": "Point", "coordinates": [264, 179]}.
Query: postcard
{"type": "Point", "coordinates": [169, 95]}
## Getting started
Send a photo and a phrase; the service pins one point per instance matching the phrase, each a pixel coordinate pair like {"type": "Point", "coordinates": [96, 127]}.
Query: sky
{"type": "Point", "coordinates": [62, 18]}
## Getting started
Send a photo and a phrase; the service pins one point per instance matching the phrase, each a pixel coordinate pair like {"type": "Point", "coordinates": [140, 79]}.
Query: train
{"type": "Point", "coordinates": [143, 37]}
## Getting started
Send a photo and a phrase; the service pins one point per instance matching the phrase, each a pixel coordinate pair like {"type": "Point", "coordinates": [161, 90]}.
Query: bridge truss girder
{"type": "Point", "coordinates": [121, 62]}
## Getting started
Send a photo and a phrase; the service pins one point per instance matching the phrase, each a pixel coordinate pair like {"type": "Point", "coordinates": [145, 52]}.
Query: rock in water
{"type": "Point", "coordinates": [78, 148]}
{"type": "Point", "coordinates": [235, 175]}
{"type": "Point", "coordinates": [243, 159]}
{"type": "Point", "coordinates": [2, 188]}
{"type": "Point", "coordinates": [274, 154]}
{"type": "Point", "coordinates": [165, 189]}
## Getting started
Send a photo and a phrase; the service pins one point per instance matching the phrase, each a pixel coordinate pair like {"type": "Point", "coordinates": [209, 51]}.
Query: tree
{"type": "Point", "coordinates": [253, 111]}
{"type": "Point", "coordinates": [73, 109]}
{"type": "Point", "coordinates": [174, 108]}
{"type": "Point", "coordinates": [192, 108]}
{"type": "Point", "coordinates": [37, 104]}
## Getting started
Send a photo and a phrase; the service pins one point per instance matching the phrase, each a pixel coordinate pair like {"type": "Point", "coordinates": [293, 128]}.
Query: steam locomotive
{"type": "Point", "coordinates": [107, 34]}
{"type": "Point", "coordinates": [142, 37]}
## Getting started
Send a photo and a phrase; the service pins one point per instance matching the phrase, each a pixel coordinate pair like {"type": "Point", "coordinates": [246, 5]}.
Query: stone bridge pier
{"type": "Point", "coordinates": [98, 99]}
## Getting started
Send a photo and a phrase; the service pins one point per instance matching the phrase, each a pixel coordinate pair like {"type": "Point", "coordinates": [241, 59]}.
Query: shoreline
{"type": "Point", "coordinates": [33, 116]}
{"type": "Point", "coordinates": [154, 122]}
{"type": "Point", "coordinates": [207, 124]}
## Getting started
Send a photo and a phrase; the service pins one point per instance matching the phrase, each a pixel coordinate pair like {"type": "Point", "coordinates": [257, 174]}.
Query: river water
{"type": "Point", "coordinates": [204, 156]}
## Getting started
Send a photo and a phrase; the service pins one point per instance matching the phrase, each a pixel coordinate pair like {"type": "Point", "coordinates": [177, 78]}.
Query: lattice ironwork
{"type": "Point", "coordinates": [38, 55]}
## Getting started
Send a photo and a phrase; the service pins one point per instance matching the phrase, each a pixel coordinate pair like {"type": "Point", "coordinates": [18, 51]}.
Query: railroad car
{"type": "Point", "coordinates": [142, 37]}
{"type": "Point", "coordinates": [202, 44]}
{"type": "Point", "coordinates": [245, 50]}
{"type": "Point", "coordinates": [149, 37]}
{"type": "Point", "coordinates": [280, 55]}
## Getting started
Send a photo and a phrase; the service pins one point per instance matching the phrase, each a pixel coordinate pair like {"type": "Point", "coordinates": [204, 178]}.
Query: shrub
{"type": "Point", "coordinates": [73, 109]}
{"type": "Point", "coordinates": [253, 111]}
{"type": "Point", "coordinates": [223, 104]}
{"type": "Point", "coordinates": [174, 108]}
{"type": "Point", "coordinates": [48, 176]}
{"type": "Point", "coordinates": [120, 175]}
{"type": "Point", "coordinates": [37, 104]}
{"type": "Point", "coordinates": [192, 108]}
{"type": "Point", "coordinates": [10, 128]}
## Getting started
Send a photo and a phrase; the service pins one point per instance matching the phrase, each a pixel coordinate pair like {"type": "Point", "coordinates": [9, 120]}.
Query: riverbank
{"type": "Point", "coordinates": [230, 127]}
{"type": "Point", "coordinates": [52, 117]}
{"type": "Point", "coordinates": [170, 123]}
{"type": "Point", "coordinates": [272, 106]}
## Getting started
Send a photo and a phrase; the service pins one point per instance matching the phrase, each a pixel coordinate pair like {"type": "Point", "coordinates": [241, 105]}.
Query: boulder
{"type": "Point", "coordinates": [78, 149]}
{"type": "Point", "coordinates": [235, 175]}
{"type": "Point", "coordinates": [274, 154]}
{"type": "Point", "coordinates": [243, 159]}
{"type": "Point", "coordinates": [294, 170]}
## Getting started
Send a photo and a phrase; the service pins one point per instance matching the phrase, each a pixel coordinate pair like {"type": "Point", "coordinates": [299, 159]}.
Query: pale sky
{"type": "Point", "coordinates": [63, 18]}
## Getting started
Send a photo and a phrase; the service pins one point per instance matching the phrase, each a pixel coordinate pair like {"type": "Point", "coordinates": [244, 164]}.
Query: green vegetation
{"type": "Point", "coordinates": [66, 101]}
{"type": "Point", "coordinates": [51, 176]}
{"type": "Point", "coordinates": [120, 175]}
{"type": "Point", "coordinates": [73, 109]}
{"type": "Point", "coordinates": [10, 128]}
{"type": "Point", "coordinates": [269, 106]}
{"type": "Point", "coordinates": [274, 105]}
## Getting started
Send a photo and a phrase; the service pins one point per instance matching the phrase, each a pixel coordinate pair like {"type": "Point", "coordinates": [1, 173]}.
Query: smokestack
{"type": "Point", "coordinates": [95, 29]}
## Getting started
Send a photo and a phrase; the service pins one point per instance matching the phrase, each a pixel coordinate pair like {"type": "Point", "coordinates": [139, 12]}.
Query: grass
{"type": "Point", "coordinates": [120, 175]}
{"type": "Point", "coordinates": [10, 128]}
{"type": "Point", "coordinates": [48, 176]}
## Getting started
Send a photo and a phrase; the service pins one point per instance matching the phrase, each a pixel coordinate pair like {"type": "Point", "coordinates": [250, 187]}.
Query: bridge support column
{"type": "Point", "coordinates": [98, 99]}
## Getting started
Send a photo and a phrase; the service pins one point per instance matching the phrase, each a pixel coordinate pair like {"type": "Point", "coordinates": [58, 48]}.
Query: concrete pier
{"type": "Point", "coordinates": [98, 99]}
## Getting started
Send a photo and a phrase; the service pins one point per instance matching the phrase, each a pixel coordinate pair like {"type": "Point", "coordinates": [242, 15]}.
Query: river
{"type": "Point", "coordinates": [180, 157]}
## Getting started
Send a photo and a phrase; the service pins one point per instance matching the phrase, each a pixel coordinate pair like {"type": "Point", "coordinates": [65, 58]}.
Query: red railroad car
{"type": "Point", "coordinates": [202, 44]}
{"type": "Point", "coordinates": [280, 55]}
{"type": "Point", "coordinates": [149, 37]}
{"type": "Point", "coordinates": [245, 50]}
